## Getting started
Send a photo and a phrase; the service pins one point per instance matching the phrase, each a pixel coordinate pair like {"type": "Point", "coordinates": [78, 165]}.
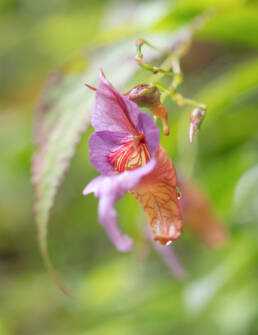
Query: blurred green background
{"type": "Point", "coordinates": [131, 293]}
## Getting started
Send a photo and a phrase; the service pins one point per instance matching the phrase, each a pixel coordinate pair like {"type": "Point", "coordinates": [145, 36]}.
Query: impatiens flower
{"type": "Point", "coordinates": [125, 150]}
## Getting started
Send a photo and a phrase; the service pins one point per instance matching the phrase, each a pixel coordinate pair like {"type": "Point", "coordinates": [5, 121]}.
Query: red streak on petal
{"type": "Point", "coordinates": [130, 155]}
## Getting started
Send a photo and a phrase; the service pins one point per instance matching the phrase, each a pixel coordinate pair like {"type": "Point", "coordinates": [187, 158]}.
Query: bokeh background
{"type": "Point", "coordinates": [132, 293]}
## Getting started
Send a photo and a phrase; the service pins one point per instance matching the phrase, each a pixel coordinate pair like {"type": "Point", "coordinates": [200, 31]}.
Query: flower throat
{"type": "Point", "coordinates": [131, 155]}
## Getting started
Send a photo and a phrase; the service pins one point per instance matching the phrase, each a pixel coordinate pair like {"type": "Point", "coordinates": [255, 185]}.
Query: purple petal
{"type": "Point", "coordinates": [112, 111]}
{"type": "Point", "coordinates": [101, 144]}
{"type": "Point", "coordinates": [115, 113]}
{"type": "Point", "coordinates": [109, 189]}
{"type": "Point", "coordinates": [116, 119]}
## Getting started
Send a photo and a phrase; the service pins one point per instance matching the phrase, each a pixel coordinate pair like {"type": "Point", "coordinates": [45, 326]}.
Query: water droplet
{"type": "Point", "coordinates": [179, 193]}
{"type": "Point", "coordinates": [169, 242]}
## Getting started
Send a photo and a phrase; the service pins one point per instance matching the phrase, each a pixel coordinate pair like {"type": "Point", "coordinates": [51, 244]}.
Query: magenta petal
{"type": "Point", "coordinates": [109, 189]}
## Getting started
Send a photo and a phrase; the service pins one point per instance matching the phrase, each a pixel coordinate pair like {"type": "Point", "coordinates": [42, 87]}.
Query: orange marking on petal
{"type": "Point", "coordinates": [131, 154]}
{"type": "Point", "coordinates": [157, 194]}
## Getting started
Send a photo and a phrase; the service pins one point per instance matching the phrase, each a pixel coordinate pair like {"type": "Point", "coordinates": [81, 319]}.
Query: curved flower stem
{"type": "Point", "coordinates": [139, 58]}
{"type": "Point", "coordinates": [141, 42]}
{"type": "Point", "coordinates": [172, 61]}
{"type": "Point", "coordinates": [171, 64]}
{"type": "Point", "coordinates": [178, 98]}
{"type": "Point", "coordinates": [153, 69]}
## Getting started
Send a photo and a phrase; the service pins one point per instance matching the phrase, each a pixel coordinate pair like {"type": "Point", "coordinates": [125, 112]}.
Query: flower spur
{"type": "Point", "coordinates": [125, 150]}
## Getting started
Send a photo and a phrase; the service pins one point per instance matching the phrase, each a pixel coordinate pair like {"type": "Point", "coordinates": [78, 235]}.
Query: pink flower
{"type": "Point", "coordinates": [125, 150]}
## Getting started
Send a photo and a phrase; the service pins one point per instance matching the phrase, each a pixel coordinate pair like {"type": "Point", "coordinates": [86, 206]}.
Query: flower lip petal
{"type": "Point", "coordinates": [109, 189]}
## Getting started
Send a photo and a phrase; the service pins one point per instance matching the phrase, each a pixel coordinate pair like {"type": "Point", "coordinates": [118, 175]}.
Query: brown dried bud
{"type": "Point", "coordinates": [147, 95]}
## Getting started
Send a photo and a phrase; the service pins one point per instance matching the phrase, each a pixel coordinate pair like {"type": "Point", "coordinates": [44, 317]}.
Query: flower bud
{"type": "Point", "coordinates": [197, 116]}
{"type": "Point", "coordinates": [147, 95]}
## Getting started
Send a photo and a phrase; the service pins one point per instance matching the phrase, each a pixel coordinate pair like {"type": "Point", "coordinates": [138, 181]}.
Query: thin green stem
{"type": "Point", "coordinates": [154, 69]}
{"type": "Point", "coordinates": [172, 62]}
{"type": "Point", "coordinates": [141, 42]}
{"type": "Point", "coordinates": [178, 98]}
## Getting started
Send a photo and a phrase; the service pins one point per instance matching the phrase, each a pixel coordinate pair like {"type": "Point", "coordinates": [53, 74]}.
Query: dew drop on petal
{"type": "Point", "coordinates": [179, 193]}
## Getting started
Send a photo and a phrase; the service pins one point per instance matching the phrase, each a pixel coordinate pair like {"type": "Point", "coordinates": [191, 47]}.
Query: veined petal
{"type": "Point", "coordinates": [114, 112]}
{"type": "Point", "coordinates": [101, 145]}
{"type": "Point", "coordinates": [157, 194]}
{"type": "Point", "coordinates": [109, 189]}
{"type": "Point", "coordinates": [112, 152]}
